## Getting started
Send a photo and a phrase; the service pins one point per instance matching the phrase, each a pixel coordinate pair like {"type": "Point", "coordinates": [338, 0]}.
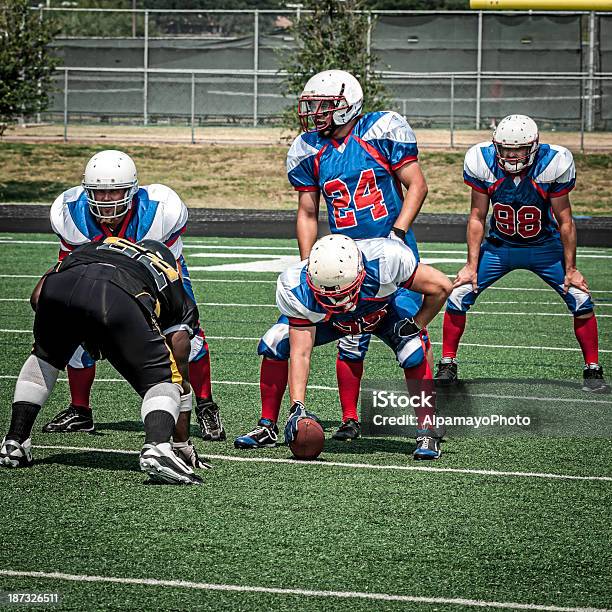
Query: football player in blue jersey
{"type": "Point", "coordinates": [110, 202]}
{"type": "Point", "coordinates": [349, 287]}
{"type": "Point", "coordinates": [360, 164]}
{"type": "Point", "coordinates": [526, 184]}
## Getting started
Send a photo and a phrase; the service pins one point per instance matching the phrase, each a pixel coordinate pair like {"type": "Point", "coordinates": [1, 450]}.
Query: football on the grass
{"type": "Point", "coordinates": [309, 440]}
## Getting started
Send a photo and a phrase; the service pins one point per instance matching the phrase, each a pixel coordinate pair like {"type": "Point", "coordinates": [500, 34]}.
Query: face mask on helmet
{"type": "Point", "coordinates": [514, 159]}
{"type": "Point", "coordinates": [516, 143]}
{"type": "Point", "coordinates": [330, 99]}
{"type": "Point", "coordinates": [335, 273]}
{"type": "Point", "coordinates": [107, 208]}
{"type": "Point", "coordinates": [316, 113]}
{"type": "Point", "coordinates": [335, 299]}
{"type": "Point", "coordinates": [110, 182]}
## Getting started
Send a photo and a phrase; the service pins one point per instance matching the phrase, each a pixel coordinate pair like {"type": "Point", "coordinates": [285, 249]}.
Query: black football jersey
{"type": "Point", "coordinates": [144, 275]}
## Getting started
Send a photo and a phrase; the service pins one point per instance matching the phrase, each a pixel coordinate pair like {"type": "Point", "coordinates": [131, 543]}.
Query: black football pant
{"type": "Point", "coordinates": [82, 306]}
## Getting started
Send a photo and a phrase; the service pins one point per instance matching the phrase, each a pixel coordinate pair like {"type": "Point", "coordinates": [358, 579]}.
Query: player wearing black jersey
{"type": "Point", "coordinates": [124, 302]}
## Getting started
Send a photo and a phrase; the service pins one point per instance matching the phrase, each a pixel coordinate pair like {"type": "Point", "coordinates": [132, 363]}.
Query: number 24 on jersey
{"type": "Point", "coordinates": [367, 195]}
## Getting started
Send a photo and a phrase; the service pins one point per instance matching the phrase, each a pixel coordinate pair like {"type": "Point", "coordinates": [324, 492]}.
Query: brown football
{"type": "Point", "coordinates": [309, 440]}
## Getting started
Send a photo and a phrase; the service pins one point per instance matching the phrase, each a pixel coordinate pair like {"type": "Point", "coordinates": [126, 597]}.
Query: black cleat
{"type": "Point", "coordinates": [265, 435]}
{"type": "Point", "coordinates": [209, 420]}
{"type": "Point", "coordinates": [593, 379]}
{"type": "Point", "coordinates": [447, 372]}
{"type": "Point", "coordinates": [428, 445]}
{"type": "Point", "coordinates": [349, 430]}
{"type": "Point", "coordinates": [72, 419]}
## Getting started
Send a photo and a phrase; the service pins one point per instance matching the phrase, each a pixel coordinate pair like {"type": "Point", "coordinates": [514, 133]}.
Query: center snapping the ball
{"type": "Point", "coordinates": [309, 440]}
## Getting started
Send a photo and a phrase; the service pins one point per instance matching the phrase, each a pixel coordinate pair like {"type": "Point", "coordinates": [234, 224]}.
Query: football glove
{"type": "Point", "coordinates": [187, 452]}
{"type": "Point", "coordinates": [297, 412]}
{"type": "Point", "coordinates": [398, 234]}
{"type": "Point", "coordinates": [407, 328]}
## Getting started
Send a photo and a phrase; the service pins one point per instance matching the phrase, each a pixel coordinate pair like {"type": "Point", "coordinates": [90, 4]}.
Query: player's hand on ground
{"type": "Point", "coordinates": [574, 278]}
{"type": "Point", "coordinates": [298, 411]}
{"type": "Point", "coordinates": [187, 452]}
{"type": "Point", "coordinates": [466, 275]}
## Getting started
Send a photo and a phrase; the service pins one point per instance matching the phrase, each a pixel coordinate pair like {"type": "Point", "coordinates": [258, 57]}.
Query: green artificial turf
{"type": "Point", "coordinates": [315, 526]}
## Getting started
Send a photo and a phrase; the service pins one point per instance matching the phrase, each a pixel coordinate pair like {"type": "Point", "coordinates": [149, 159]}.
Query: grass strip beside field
{"type": "Point", "coordinates": [240, 176]}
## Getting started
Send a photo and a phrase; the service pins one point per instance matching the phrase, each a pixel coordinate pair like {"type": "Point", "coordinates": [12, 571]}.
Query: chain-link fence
{"type": "Point", "coordinates": [202, 98]}
{"type": "Point", "coordinates": [452, 69]}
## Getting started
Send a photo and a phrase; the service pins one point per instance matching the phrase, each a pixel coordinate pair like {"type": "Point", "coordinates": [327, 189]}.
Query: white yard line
{"type": "Point", "coordinates": [272, 281]}
{"type": "Point", "coordinates": [478, 312]}
{"type": "Point", "coordinates": [484, 302]}
{"type": "Point", "coordinates": [246, 383]}
{"type": "Point", "coordinates": [188, 244]}
{"type": "Point", "coordinates": [205, 586]}
{"type": "Point", "coordinates": [251, 458]}
{"type": "Point", "coordinates": [473, 344]}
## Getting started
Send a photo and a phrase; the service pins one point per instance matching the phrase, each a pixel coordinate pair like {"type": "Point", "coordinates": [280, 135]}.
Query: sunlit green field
{"type": "Point", "coordinates": [496, 522]}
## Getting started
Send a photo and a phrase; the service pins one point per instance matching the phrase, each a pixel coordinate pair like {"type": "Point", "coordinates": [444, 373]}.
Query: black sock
{"type": "Point", "coordinates": [22, 420]}
{"type": "Point", "coordinates": [159, 427]}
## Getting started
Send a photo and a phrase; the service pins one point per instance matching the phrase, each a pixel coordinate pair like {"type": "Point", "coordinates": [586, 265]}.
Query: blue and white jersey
{"type": "Point", "coordinates": [157, 213]}
{"type": "Point", "coordinates": [390, 267]}
{"type": "Point", "coordinates": [357, 176]}
{"type": "Point", "coordinates": [521, 203]}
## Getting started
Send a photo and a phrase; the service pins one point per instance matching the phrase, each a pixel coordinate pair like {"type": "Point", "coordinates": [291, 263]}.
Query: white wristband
{"type": "Point", "coordinates": [186, 402]}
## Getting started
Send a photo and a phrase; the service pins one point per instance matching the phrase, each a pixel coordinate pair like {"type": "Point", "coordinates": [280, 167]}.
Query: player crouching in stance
{"type": "Point", "coordinates": [348, 288]}
{"type": "Point", "coordinates": [528, 186]}
{"type": "Point", "coordinates": [358, 164]}
{"type": "Point", "coordinates": [111, 202]}
{"type": "Point", "coordinates": [125, 302]}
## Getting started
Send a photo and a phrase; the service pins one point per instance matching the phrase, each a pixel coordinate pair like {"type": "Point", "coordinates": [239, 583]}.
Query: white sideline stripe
{"type": "Point", "coordinates": [247, 383]}
{"type": "Point", "coordinates": [516, 346]}
{"type": "Point", "coordinates": [195, 245]}
{"type": "Point", "coordinates": [204, 586]}
{"type": "Point", "coordinates": [473, 344]}
{"type": "Point", "coordinates": [214, 382]}
{"type": "Point", "coordinates": [243, 256]}
{"type": "Point", "coordinates": [483, 312]}
{"type": "Point", "coordinates": [241, 305]}
{"type": "Point", "coordinates": [273, 281]}
{"type": "Point", "coordinates": [372, 466]}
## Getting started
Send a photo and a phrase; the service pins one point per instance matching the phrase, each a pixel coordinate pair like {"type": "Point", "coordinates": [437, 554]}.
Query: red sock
{"type": "Point", "coordinates": [349, 375]}
{"type": "Point", "coordinates": [420, 373]}
{"type": "Point", "coordinates": [452, 330]}
{"type": "Point", "coordinates": [586, 334]}
{"type": "Point", "coordinates": [80, 381]}
{"type": "Point", "coordinates": [272, 385]}
{"type": "Point", "coordinates": [199, 377]}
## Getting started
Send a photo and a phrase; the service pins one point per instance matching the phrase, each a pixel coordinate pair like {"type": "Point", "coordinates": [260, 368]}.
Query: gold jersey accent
{"type": "Point", "coordinates": [135, 251]}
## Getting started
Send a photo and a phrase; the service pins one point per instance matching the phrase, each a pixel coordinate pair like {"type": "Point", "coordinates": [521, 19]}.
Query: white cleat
{"type": "Point", "coordinates": [162, 465]}
{"type": "Point", "coordinates": [15, 455]}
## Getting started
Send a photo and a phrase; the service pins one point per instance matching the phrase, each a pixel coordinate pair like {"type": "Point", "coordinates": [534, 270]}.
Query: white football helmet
{"type": "Point", "coordinates": [330, 98]}
{"type": "Point", "coordinates": [110, 170]}
{"type": "Point", "coordinates": [516, 132]}
{"type": "Point", "coordinates": [335, 272]}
